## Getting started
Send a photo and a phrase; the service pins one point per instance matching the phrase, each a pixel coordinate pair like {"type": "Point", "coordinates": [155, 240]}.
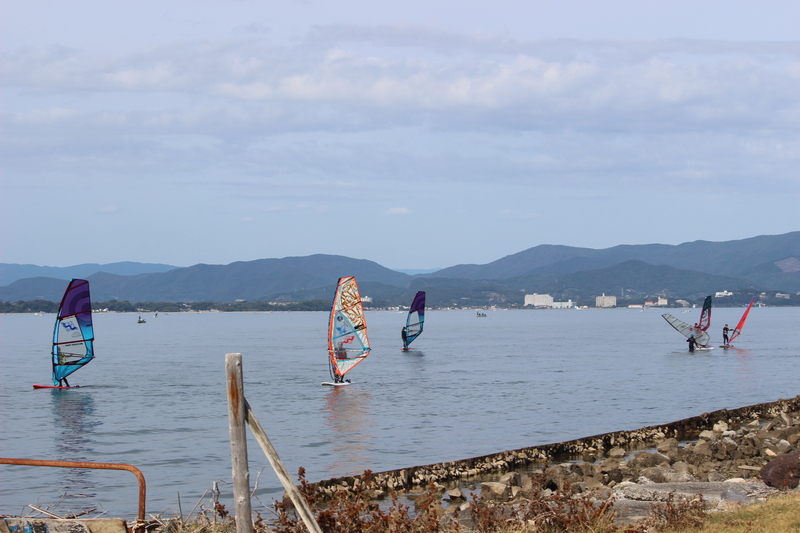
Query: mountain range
{"type": "Point", "coordinates": [689, 270]}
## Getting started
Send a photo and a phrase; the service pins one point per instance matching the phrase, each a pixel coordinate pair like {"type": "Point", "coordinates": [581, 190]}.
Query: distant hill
{"type": "Point", "coordinates": [765, 260]}
{"type": "Point", "coordinates": [689, 270]}
{"type": "Point", "coordinates": [11, 272]}
{"type": "Point", "coordinates": [246, 280]}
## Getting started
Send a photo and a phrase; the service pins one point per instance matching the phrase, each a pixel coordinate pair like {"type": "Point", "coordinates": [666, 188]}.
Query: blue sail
{"type": "Point", "coordinates": [415, 320]}
{"type": "Point", "coordinates": [73, 335]}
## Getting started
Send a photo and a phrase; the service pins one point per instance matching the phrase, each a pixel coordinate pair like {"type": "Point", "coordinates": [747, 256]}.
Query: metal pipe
{"type": "Point", "coordinates": [83, 464]}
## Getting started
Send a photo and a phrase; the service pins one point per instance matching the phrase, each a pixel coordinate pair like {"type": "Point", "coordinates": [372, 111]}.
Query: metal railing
{"type": "Point", "coordinates": [98, 466]}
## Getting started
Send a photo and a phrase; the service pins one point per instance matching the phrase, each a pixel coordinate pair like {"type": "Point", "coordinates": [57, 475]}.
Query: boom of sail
{"type": "Point", "coordinates": [415, 319]}
{"type": "Point", "coordinates": [348, 343]}
{"type": "Point", "coordinates": [73, 335]}
{"type": "Point", "coordinates": [738, 329]}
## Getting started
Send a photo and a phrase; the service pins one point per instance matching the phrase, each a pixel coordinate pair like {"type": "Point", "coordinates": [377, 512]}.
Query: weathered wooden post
{"type": "Point", "coordinates": [237, 415]}
{"type": "Point", "coordinates": [238, 412]}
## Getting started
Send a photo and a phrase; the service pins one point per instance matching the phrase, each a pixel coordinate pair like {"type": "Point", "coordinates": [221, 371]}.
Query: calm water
{"type": "Point", "coordinates": [155, 395]}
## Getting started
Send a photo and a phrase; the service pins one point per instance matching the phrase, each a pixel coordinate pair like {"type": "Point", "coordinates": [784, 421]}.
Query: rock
{"type": "Point", "coordinates": [721, 427]}
{"type": "Point", "coordinates": [554, 477]}
{"type": "Point", "coordinates": [493, 490]}
{"type": "Point", "coordinates": [646, 460]}
{"type": "Point", "coordinates": [716, 476]}
{"type": "Point", "coordinates": [703, 448]}
{"type": "Point", "coordinates": [663, 474]}
{"type": "Point", "coordinates": [783, 472]}
{"type": "Point", "coordinates": [708, 435]}
{"type": "Point", "coordinates": [455, 495]}
{"type": "Point", "coordinates": [617, 452]}
{"type": "Point", "coordinates": [667, 446]}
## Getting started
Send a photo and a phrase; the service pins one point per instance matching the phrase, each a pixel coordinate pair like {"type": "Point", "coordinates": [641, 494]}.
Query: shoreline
{"type": "Point", "coordinates": [588, 449]}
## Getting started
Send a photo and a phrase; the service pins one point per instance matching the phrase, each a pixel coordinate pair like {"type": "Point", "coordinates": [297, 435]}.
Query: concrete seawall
{"type": "Point", "coordinates": [417, 477]}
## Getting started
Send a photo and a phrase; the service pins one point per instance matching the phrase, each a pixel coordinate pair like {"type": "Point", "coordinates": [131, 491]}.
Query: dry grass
{"type": "Point", "coordinates": [779, 514]}
{"type": "Point", "coordinates": [560, 512]}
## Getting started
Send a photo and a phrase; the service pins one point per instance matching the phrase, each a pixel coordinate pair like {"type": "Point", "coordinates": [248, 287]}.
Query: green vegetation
{"type": "Point", "coordinates": [124, 306]}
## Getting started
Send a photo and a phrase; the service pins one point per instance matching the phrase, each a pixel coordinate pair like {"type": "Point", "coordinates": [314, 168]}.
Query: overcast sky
{"type": "Point", "coordinates": [418, 133]}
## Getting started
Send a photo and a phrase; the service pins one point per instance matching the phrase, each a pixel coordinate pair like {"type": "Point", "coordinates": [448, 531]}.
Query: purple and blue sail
{"type": "Point", "coordinates": [415, 320]}
{"type": "Point", "coordinates": [74, 335]}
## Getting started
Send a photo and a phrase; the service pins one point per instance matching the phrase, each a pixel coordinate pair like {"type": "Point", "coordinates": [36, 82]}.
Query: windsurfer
{"type": "Point", "coordinates": [691, 340]}
{"type": "Point", "coordinates": [341, 353]}
{"type": "Point", "coordinates": [404, 335]}
{"type": "Point", "coordinates": [63, 383]}
{"type": "Point", "coordinates": [725, 334]}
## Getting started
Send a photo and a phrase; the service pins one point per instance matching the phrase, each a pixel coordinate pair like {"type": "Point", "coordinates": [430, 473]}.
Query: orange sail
{"type": "Point", "coordinates": [738, 329]}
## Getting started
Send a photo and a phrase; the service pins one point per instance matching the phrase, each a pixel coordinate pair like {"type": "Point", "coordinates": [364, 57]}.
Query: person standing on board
{"type": "Point", "coordinates": [691, 340]}
{"type": "Point", "coordinates": [404, 335]}
{"type": "Point", "coordinates": [341, 353]}
{"type": "Point", "coordinates": [725, 335]}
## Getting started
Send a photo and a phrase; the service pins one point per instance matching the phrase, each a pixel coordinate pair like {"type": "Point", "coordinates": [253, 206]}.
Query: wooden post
{"type": "Point", "coordinates": [239, 412]}
{"type": "Point", "coordinates": [238, 432]}
{"type": "Point", "coordinates": [291, 489]}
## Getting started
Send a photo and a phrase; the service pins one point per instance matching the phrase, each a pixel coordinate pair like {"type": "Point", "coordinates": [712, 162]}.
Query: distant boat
{"type": "Point", "coordinates": [73, 335]}
{"type": "Point", "coordinates": [480, 314]}
{"type": "Point", "coordinates": [738, 329]}
{"type": "Point", "coordinates": [348, 343]}
{"type": "Point", "coordinates": [414, 320]}
{"type": "Point", "coordinates": [141, 321]}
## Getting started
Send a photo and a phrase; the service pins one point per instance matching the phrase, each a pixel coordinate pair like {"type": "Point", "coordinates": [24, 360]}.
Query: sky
{"type": "Point", "coordinates": [418, 134]}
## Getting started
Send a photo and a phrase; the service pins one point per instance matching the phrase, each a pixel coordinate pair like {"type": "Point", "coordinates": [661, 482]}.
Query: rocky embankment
{"type": "Point", "coordinates": [719, 455]}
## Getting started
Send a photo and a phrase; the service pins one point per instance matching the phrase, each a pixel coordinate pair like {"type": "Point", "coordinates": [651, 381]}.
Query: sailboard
{"type": "Point", "coordinates": [73, 335]}
{"type": "Point", "coordinates": [415, 320]}
{"type": "Point", "coordinates": [738, 329]}
{"type": "Point", "coordinates": [348, 343]}
{"type": "Point", "coordinates": [700, 336]}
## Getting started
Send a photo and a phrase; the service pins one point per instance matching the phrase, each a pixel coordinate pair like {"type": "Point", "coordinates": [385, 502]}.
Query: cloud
{"type": "Point", "coordinates": [110, 209]}
{"type": "Point", "coordinates": [397, 211]}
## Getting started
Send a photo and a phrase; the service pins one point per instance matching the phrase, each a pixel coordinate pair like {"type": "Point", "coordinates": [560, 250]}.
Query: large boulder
{"type": "Point", "coordinates": [783, 472]}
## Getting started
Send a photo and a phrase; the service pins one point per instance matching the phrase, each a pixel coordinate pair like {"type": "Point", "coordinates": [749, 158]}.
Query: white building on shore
{"type": "Point", "coordinates": [539, 300]}
{"type": "Point", "coordinates": [605, 301]}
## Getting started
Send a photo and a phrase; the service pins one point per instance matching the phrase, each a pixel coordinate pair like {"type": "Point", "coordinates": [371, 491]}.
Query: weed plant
{"type": "Point", "coordinates": [354, 511]}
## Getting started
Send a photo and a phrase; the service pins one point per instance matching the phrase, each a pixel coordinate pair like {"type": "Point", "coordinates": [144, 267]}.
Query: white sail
{"type": "Point", "coordinates": [687, 330]}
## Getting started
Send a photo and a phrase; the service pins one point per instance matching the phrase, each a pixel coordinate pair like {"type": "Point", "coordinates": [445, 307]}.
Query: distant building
{"type": "Point", "coordinates": [569, 304]}
{"type": "Point", "coordinates": [782, 295]}
{"type": "Point", "coordinates": [682, 303]}
{"type": "Point", "coordinates": [539, 300]}
{"type": "Point", "coordinates": [723, 294]}
{"type": "Point", "coordinates": [605, 301]}
{"type": "Point", "coordinates": [662, 301]}
{"type": "Point", "coordinates": [366, 299]}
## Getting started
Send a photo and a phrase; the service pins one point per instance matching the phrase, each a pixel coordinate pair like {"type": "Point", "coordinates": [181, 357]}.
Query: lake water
{"type": "Point", "coordinates": [155, 395]}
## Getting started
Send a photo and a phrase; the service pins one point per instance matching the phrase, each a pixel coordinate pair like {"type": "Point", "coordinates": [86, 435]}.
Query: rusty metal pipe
{"type": "Point", "coordinates": [83, 464]}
